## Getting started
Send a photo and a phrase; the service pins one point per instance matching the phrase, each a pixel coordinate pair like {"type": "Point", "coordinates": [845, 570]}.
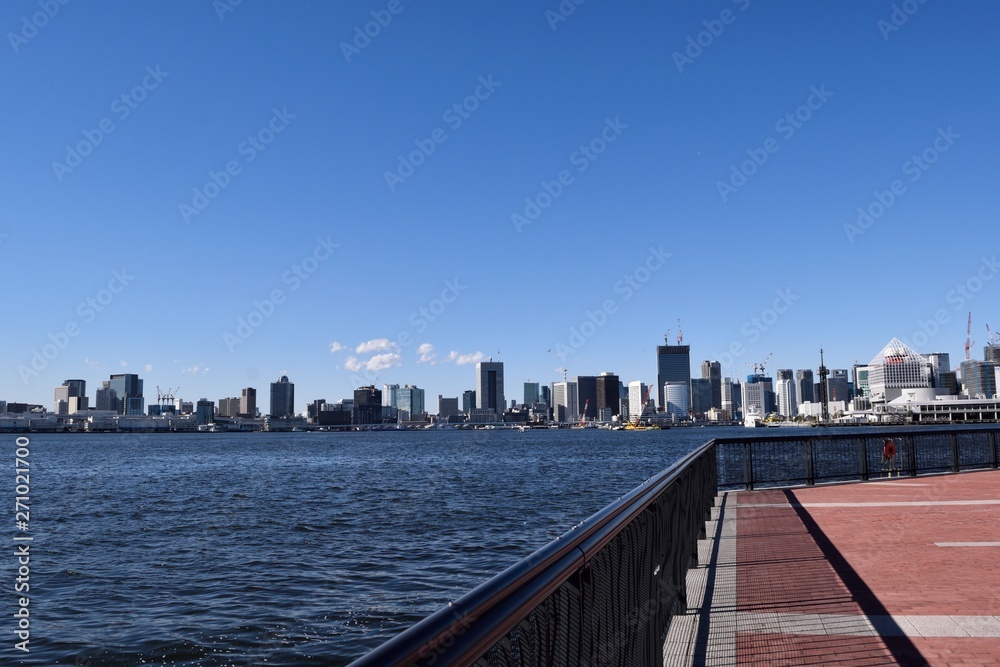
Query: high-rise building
{"type": "Point", "coordinates": [447, 407]}
{"type": "Point", "coordinates": [532, 393]}
{"type": "Point", "coordinates": [713, 371]}
{"type": "Point", "coordinates": [701, 395]}
{"type": "Point", "coordinates": [489, 386]}
{"type": "Point", "coordinates": [545, 394]}
{"type": "Point", "coordinates": [785, 394]}
{"type": "Point", "coordinates": [367, 405]}
{"type": "Point", "coordinates": [586, 388]}
{"type": "Point", "coordinates": [282, 398]}
{"type": "Point", "coordinates": [676, 399]}
{"type": "Point", "coordinates": [673, 364]}
{"type": "Point", "coordinates": [728, 411]}
{"type": "Point", "coordinates": [409, 399]}
{"type": "Point", "coordinates": [248, 402]}
{"type": "Point", "coordinates": [838, 385]}
{"type": "Point", "coordinates": [126, 398]}
{"type": "Point", "coordinates": [758, 395]}
{"type": "Point", "coordinates": [979, 378]}
{"type": "Point", "coordinates": [805, 384]}
{"type": "Point", "coordinates": [608, 393]}
{"type": "Point", "coordinates": [565, 407]}
{"type": "Point", "coordinates": [390, 395]}
{"type": "Point", "coordinates": [991, 353]}
{"type": "Point", "coordinates": [205, 411]}
{"type": "Point", "coordinates": [229, 407]}
{"type": "Point", "coordinates": [637, 396]}
{"type": "Point", "coordinates": [468, 401]}
{"type": "Point", "coordinates": [896, 368]}
{"type": "Point", "coordinates": [71, 397]}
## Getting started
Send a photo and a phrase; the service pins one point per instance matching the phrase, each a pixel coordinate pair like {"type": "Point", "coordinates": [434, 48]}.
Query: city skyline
{"type": "Point", "coordinates": [325, 191]}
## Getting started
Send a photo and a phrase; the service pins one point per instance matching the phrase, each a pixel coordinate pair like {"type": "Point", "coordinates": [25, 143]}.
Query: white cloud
{"type": "Point", "coordinates": [335, 347]}
{"type": "Point", "coordinates": [90, 362]}
{"type": "Point", "coordinates": [377, 345]}
{"type": "Point", "coordinates": [382, 361]}
{"type": "Point", "coordinates": [463, 359]}
{"type": "Point", "coordinates": [196, 369]}
{"type": "Point", "coordinates": [123, 363]}
{"type": "Point", "coordinates": [352, 364]}
{"type": "Point", "coordinates": [149, 368]}
{"type": "Point", "coordinates": [427, 353]}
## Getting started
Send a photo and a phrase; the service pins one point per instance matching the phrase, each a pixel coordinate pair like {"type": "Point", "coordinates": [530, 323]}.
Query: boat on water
{"type": "Point", "coordinates": [751, 418]}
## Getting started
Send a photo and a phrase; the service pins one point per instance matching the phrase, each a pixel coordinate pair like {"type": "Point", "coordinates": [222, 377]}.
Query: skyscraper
{"type": "Point", "coordinates": [282, 398]}
{"type": "Point", "coordinates": [489, 386]}
{"type": "Point", "coordinates": [71, 397]}
{"type": "Point", "coordinates": [673, 364]}
{"type": "Point", "coordinates": [637, 393]}
{"type": "Point", "coordinates": [532, 393]}
{"type": "Point", "coordinates": [785, 392]}
{"type": "Point", "coordinates": [127, 397]}
{"type": "Point", "coordinates": [248, 402]}
{"type": "Point", "coordinates": [565, 407]}
{"type": "Point", "coordinates": [468, 400]}
{"type": "Point", "coordinates": [713, 371]}
{"type": "Point", "coordinates": [409, 399]}
{"type": "Point", "coordinates": [701, 395]}
{"type": "Point", "coordinates": [586, 392]}
{"type": "Point", "coordinates": [367, 405]}
{"type": "Point", "coordinates": [608, 393]}
{"type": "Point", "coordinates": [390, 394]}
{"type": "Point", "coordinates": [805, 385]}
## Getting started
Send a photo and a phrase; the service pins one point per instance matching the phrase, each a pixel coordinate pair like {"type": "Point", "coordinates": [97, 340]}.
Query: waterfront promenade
{"type": "Point", "coordinates": [895, 571]}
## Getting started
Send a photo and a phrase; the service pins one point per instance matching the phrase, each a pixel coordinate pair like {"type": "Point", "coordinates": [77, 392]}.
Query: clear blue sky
{"type": "Point", "coordinates": [309, 129]}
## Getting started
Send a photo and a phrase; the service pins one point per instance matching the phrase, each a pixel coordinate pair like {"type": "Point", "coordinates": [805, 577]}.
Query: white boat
{"type": "Point", "coordinates": [751, 417]}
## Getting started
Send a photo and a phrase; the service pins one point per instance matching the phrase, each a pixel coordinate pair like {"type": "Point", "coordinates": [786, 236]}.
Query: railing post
{"type": "Point", "coordinates": [954, 453]}
{"type": "Point", "coordinates": [810, 464]}
{"type": "Point", "coordinates": [748, 464]}
{"type": "Point", "coordinates": [993, 448]}
{"type": "Point", "coordinates": [911, 450]}
{"type": "Point", "coordinates": [863, 467]}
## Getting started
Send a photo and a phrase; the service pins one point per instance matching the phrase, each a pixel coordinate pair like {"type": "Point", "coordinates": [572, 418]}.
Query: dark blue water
{"type": "Point", "coordinates": [291, 549]}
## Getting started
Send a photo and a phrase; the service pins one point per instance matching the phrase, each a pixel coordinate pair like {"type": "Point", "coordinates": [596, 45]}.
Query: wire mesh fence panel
{"type": "Point", "coordinates": [932, 452]}
{"type": "Point", "coordinates": [974, 451]}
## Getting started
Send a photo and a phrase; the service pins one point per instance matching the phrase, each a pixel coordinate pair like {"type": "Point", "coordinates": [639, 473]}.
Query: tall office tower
{"type": "Point", "coordinates": [940, 364]}
{"type": "Point", "coordinates": [447, 407]}
{"type": "Point", "coordinates": [489, 386]}
{"type": "Point", "coordinates": [673, 364]}
{"type": "Point", "coordinates": [737, 389]}
{"type": "Point", "coordinates": [127, 390]}
{"type": "Point", "coordinates": [758, 395]}
{"type": "Point", "coordinates": [546, 395]}
{"type": "Point", "coordinates": [805, 385]}
{"type": "Point", "coordinates": [713, 371]}
{"type": "Point", "coordinates": [248, 402]}
{"type": "Point", "coordinates": [390, 395]}
{"type": "Point", "coordinates": [282, 398]}
{"type": "Point", "coordinates": [608, 393]}
{"type": "Point", "coordinates": [367, 405]}
{"type": "Point", "coordinates": [229, 407]}
{"type": "Point", "coordinates": [409, 399]}
{"type": "Point", "coordinates": [71, 397]}
{"type": "Point", "coordinates": [979, 378]}
{"type": "Point", "coordinates": [991, 353]}
{"type": "Point", "coordinates": [104, 398]}
{"type": "Point", "coordinates": [205, 411]}
{"type": "Point", "coordinates": [676, 396]}
{"type": "Point", "coordinates": [564, 402]}
{"type": "Point", "coordinates": [785, 392]}
{"type": "Point", "coordinates": [532, 393]}
{"type": "Point", "coordinates": [838, 385]}
{"type": "Point", "coordinates": [637, 393]}
{"type": "Point", "coordinates": [468, 401]}
{"type": "Point", "coordinates": [894, 370]}
{"type": "Point", "coordinates": [861, 387]}
{"type": "Point", "coordinates": [586, 388]}
{"type": "Point", "coordinates": [727, 399]}
{"type": "Point", "coordinates": [701, 395]}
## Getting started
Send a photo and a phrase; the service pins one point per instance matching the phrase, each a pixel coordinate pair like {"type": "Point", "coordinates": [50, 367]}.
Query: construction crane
{"type": "Point", "coordinates": [680, 333]}
{"type": "Point", "coordinates": [989, 335]}
{"type": "Point", "coordinates": [968, 337]}
{"type": "Point", "coordinates": [666, 338]}
{"type": "Point", "coordinates": [583, 413]}
{"type": "Point", "coordinates": [167, 397]}
{"type": "Point", "coordinates": [766, 359]}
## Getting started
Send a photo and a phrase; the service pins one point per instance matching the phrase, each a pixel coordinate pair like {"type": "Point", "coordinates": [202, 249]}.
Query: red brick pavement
{"type": "Point", "coordinates": [878, 560]}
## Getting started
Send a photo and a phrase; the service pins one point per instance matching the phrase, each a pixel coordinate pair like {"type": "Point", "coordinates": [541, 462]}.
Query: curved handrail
{"type": "Point", "coordinates": [477, 620]}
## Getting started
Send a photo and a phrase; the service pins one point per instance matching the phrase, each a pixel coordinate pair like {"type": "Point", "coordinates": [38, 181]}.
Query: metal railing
{"type": "Point", "coordinates": [788, 460]}
{"type": "Point", "coordinates": [602, 593]}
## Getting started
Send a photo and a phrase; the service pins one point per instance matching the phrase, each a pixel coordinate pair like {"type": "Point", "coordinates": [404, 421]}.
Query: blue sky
{"type": "Point", "coordinates": [607, 173]}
